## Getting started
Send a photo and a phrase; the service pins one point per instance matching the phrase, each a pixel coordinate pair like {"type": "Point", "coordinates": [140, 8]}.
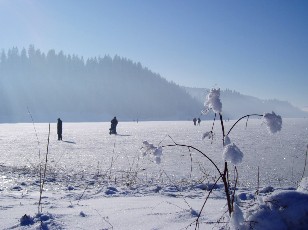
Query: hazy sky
{"type": "Point", "coordinates": [256, 47]}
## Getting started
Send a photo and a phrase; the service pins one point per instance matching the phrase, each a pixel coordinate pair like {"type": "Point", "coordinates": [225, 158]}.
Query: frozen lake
{"type": "Point", "coordinates": [87, 150]}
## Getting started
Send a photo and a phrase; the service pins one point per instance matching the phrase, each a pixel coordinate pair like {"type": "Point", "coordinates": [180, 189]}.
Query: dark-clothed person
{"type": "Point", "coordinates": [59, 129]}
{"type": "Point", "coordinates": [195, 120]}
{"type": "Point", "coordinates": [114, 123]}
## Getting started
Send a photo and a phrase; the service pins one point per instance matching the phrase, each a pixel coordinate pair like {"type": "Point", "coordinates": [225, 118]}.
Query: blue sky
{"type": "Point", "coordinates": [259, 48]}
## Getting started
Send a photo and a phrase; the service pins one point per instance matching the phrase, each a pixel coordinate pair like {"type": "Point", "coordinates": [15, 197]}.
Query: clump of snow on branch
{"type": "Point", "coordinates": [152, 150]}
{"type": "Point", "coordinates": [227, 141]}
{"type": "Point", "coordinates": [232, 153]}
{"type": "Point", "coordinates": [213, 101]}
{"type": "Point", "coordinates": [273, 122]}
{"type": "Point", "coordinates": [208, 135]}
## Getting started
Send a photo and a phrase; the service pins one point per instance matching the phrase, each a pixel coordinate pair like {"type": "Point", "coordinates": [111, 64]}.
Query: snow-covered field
{"type": "Point", "coordinates": [99, 181]}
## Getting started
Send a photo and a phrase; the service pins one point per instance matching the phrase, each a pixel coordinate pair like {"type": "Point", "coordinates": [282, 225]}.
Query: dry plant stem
{"type": "Point", "coordinates": [38, 144]}
{"type": "Point", "coordinates": [226, 185]}
{"type": "Point", "coordinates": [222, 129]}
{"type": "Point", "coordinates": [225, 176]}
{"type": "Point", "coordinates": [235, 184]}
{"type": "Point", "coordinates": [212, 131]}
{"type": "Point", "coordinates": [108, 172]}
{"type": "Point", "coordinates": [82, 194]}
{"type": "Point", "coordinates": [44, 175]}
{"type": "Point", "coordinates": [191, 162]}
{"type": "Point", "coordinates": [258, 186]}
{"type": "Point", "coordinates": [104, 218]}
{"type": "Point", "coordinates": [208, 195]}
{"type": "Point", "coordinates": [305, 163]}
{"type": "Point", "coordinates": [259, 115]}
{"type": "Point", "coordinates": [191, 147]}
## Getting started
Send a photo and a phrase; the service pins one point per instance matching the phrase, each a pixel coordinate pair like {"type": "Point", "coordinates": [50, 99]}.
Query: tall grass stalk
{"type": "Point", "coordinates": [258, 185]}
{"type": "Point", "coordinates": [43, 177]}
{"type": "Point", "coordinates": [38, 144]}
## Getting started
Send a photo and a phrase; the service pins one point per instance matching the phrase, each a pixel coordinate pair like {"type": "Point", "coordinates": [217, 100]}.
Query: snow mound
{"type": "Point", "coordinates": [284, 210]}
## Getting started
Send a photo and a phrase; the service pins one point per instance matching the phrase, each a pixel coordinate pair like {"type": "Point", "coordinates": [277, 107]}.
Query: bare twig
{"type": "Point", "coordinates": [42, 182]}
{"type": "Point", "coordinates": [258, 185]}
{"type": "Point", "coordinates": [241, 119]}
{"type": "Point", "coordinates": [208, 195]}
{"type": "Point", "coordinates": [235, 184]}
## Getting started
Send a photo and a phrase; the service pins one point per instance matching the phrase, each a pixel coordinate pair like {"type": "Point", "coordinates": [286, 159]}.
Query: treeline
{"type": "Point", "coordinates": [56, 85]}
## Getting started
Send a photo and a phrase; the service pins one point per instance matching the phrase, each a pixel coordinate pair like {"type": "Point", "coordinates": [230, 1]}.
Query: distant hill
{"type": "Point", "coordinates": [235, 104]}
{"type": "Point", "coordinates": [56, 85]}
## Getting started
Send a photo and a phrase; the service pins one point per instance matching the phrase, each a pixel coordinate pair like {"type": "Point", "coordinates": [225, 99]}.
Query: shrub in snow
{"type": "Point", "coordinates": [273, 122]}
{"type": "Point", "coordinates": [232, 153]}
{"type": "Point", "coordinates": [213, 101]}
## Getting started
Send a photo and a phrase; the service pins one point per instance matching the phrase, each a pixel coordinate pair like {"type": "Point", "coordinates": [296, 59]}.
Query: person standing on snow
{"type": "Point", "coordinates": [114, 123]}
{"type": "Point", "coordinates": [199, 121]}
{"type": "Point", "coordinates": [195, 120]}
{"type": "Point", "coordinates": [59, 129]}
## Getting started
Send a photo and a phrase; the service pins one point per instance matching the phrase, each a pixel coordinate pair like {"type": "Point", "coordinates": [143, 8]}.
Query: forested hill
{"type": "Point", "coordinates": [56, 85]}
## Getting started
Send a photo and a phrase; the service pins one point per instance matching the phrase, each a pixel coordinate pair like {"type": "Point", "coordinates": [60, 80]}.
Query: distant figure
{"type": "Point", "coordinates": [59, 129]}
{"type": "Point", "coordinates": [195, 121]}
{"type": "Point", "coordinates": [114, 123]}
{"type": "Point", "coordinates": [199, 121]}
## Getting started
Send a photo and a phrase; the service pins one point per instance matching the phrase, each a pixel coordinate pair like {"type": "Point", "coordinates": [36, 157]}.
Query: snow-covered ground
{"type": "Point", "coordinates": [99, 181]}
